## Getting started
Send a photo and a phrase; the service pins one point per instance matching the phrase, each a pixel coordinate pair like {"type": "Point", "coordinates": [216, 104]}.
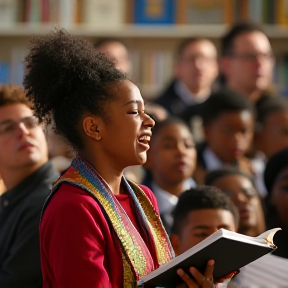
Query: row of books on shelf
{"type": "Point", "coordinates": [13, 71]}
{"type": "Point", "coordinates": [103, 13]}
{"type": "Point", "coordinates": [151, 70]}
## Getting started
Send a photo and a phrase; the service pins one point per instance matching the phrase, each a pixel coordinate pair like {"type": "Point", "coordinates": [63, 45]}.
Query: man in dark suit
{"type": "Point", "coordinates": [196, 69]}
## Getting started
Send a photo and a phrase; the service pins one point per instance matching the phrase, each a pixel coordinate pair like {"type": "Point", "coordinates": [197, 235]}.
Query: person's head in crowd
{"type": "Point", "coordinates": [172, 156]}
{"type": "Point", "coordinates": [116, 50]}
{"type": "Point", "coordinates": [199, 213]}
{"type": "Point", "coordinates": [240, 188]}
{"type": "Point", "coordinates": [271, 133]}
{"type": "Point", "coordinates": [247, 60]}
{"type": "Point", "coordinates": [276, 182]}
{"type": "Point", "coordinates": [197, 65]}
{"type": "Point", "coordinates": [23, 146]}
{"type": "Point", "coordinates": [92, 108]}
{"type": "Point", "coordinates": [228, 120]}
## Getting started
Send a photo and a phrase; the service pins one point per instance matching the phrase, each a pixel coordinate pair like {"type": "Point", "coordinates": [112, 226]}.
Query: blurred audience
{"type": "Point", "coordinates": [27, 176]}
{"type": "Point", "coordinates": [195, 71]}
{"type": "Point", "coordinates": [276, 181]}
{"type": "Point", "coordinates": [228, 119]}
{"type": "Point", "coordinates": [247, 60]}
{"type": "Point", "coordinates": [271, 135]}
{"type": "Point", "coordinates": [171, 161]}
{"type": "Point", "coordinates": [239, 187]}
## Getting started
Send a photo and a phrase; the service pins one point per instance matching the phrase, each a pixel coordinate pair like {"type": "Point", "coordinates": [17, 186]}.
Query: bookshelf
{"type": "Point", "coordinates": [152, 46]}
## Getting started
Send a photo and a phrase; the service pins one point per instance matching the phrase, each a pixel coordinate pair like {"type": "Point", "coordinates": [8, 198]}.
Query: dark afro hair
{"type": "Point", "coordinates": [201, 197]}
{"type": "Point", "coordinates": [65, 77]}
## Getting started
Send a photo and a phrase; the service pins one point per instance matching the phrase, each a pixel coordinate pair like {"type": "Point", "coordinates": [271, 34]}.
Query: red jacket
{"type": "Point", "coordinates": [78, 247]}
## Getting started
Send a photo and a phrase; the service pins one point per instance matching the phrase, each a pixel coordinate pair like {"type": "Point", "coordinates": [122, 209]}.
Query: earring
{"type": "Point", "coordinates": [98, 138]}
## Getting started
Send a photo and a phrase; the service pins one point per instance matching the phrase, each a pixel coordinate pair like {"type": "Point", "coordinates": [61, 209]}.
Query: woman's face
{"type": "Point", "coordinates": [127, 129]}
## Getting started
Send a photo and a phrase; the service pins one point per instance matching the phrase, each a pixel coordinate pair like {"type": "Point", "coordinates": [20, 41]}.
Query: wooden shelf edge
{"type": "Point", "coordinates": [140, 31]}
{"type": "Point", "coordinates": [135, 31]}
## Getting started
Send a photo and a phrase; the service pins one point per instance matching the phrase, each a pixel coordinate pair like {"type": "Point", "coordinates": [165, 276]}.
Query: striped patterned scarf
{"type": "Point", "coordinates": [137, 260]}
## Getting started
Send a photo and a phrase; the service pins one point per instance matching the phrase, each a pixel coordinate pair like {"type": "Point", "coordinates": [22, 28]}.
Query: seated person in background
{"type": "Point", "coordinates": [276, 181]}
{"type": "Point", "coordinates": [271, 135]}
{"type": "Point", "coordinates": [200, 212]}
{"type": "Point", "coordinates": [28, 177]}
{"type": "Point", "coordinates": [247, 60]}
{"type": "Point", "coordinates": [239, 187]}
{"type": "Point", "coordinates": [228, 121]}
{"type": "Point", "coordinates": [171, 161]}
{"type": "Point", "coordinates": [195, 71]}
{"type": "Point", "coordinates": [270, 270]}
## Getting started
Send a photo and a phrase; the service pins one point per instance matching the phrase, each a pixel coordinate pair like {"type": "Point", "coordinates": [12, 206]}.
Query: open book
{"type": "Point", "coordinates": [229, 249]}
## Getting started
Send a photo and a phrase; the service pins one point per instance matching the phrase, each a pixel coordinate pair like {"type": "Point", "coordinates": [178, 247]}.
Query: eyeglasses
{"type": "Point", "coordinates": [247, 192]}
{"type": "Point", "coordinates": [8, 127]}
{"type": "Point", "coordinates": [193, 58]}
{"type": "Point", "coordinates": [251, 57]}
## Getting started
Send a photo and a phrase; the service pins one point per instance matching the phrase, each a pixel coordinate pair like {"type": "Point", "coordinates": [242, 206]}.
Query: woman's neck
{"type": "Point", "coordinates": [112, 176]}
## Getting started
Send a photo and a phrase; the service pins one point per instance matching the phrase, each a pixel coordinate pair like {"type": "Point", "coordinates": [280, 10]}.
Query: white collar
{"type": "Point", "coordinates": [185, 94]}
{"type": "Point", "coordinates": [167, 201]}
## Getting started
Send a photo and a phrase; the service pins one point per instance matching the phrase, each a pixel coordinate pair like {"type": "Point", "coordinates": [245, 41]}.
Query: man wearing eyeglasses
{"type": "Point", "coordinates": [247, 60]}
{"type": "Point", "coordinates": [27, 177]}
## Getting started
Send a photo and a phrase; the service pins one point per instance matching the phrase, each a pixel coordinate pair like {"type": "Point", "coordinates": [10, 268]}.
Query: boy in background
{"type": "Point", "coordinates": [200, 212]}
{"type": "Point", "coordinates": [228, 120]}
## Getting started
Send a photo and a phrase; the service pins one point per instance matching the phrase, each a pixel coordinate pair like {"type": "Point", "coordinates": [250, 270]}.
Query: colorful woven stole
{"type": "Point", "coordinates": [137, 260]}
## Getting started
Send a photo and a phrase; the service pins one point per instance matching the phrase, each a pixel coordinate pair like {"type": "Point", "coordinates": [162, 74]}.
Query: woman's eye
{"type": "Point", "coordinates": [189, 145]}
{"type": "Point", "coordinates": [134, 112]}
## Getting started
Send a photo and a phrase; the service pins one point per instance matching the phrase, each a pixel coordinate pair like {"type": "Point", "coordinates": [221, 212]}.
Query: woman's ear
{"type": "Point", "coordinates": [92, 127]}
{"type": "Point", "coordinates": [175, 241]}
